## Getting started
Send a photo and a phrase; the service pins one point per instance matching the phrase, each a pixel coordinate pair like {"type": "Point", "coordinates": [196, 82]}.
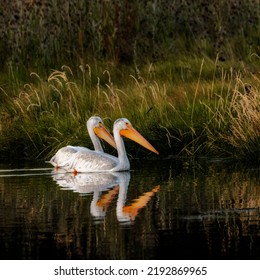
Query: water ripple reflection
{"type": "Point", "coordinates": [104, 187]}
{"type": "Point", "coordinates": [210, 210]}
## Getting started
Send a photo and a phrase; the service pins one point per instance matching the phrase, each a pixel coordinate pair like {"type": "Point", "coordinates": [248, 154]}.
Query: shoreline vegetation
{"type": "Point", "coordinates": [188, 80]}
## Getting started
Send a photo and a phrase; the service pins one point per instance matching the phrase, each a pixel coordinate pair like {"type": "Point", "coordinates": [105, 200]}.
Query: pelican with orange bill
{"type": "Point", "coordinates": [92, 161]}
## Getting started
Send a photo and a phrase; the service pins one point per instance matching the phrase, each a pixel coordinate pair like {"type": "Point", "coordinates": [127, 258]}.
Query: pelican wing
{"type": "Point", "coordinates": [91, 161]}
{"type": "Point", "coordinates": [63, 155]}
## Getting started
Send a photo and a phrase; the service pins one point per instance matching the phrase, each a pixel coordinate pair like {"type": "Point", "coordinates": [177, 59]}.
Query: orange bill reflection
{"type": "Point", "coordinates": [133, 209]}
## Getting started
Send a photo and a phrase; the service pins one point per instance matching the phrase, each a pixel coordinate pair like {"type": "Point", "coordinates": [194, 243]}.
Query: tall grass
{"type": "Point", "coordinates": [245, 120]}
{"type": "Point", "coordinates": [234, 124]}
{"type": "Point", "coordinates": [217, 117]}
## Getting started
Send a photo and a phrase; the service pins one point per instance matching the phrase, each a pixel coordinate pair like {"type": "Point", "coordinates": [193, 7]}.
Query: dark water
{"type": "Point", "coordinates": [159, 210]}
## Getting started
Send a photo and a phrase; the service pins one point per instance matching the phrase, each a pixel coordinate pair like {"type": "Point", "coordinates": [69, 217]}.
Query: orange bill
{"type": "Point", "coordinates": [104, 134]}
{"type": "Point", "coordinates": [134, 135]}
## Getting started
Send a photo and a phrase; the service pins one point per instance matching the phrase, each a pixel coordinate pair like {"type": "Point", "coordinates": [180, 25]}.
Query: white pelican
{"type": "Point", "coordinates": [91, 161]}
{"type": "Point", "coordinates": [96, 128]}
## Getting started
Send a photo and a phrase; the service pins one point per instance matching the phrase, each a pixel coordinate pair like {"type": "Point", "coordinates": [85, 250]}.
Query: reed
{"type": "Point", "coordinates": [245, 120]}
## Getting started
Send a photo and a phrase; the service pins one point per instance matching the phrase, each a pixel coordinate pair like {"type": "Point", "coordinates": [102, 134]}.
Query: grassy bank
{"type": "Point", "coordinates": [185, 73]}
{"type": "Point", "coordinates": [192, 107]}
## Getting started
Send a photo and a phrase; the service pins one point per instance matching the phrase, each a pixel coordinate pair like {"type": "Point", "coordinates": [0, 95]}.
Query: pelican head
{"type": "Point", "coordinates": [126, 129]}
{"type": "Point", "coordinates": [96, 124]}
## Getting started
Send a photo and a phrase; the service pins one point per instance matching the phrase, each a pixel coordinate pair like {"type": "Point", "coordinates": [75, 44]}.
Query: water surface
{"type": "Point", "coordinates": [159, 210]}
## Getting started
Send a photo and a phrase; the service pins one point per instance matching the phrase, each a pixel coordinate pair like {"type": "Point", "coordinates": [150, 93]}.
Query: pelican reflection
{"type": "Point", "coordinates": [105, 187]}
